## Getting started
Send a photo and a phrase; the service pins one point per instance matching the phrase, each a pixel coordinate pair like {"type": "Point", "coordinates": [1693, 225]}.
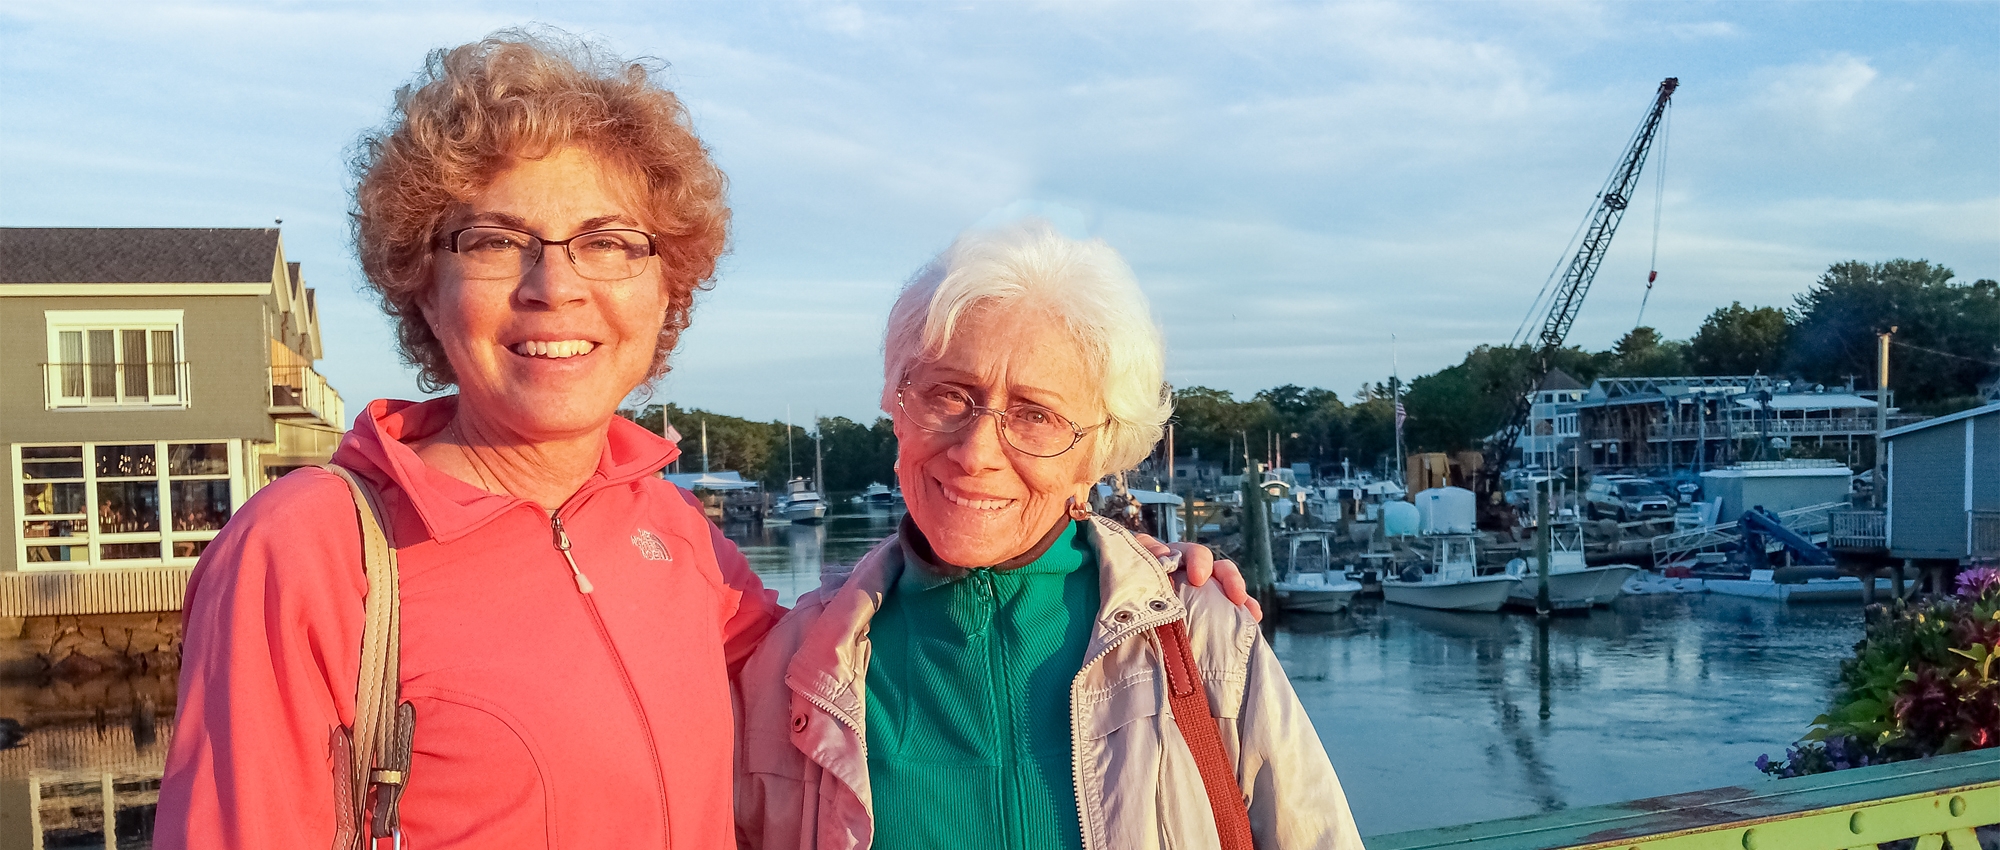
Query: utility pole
{"type": "Point", "coordinates": [1882, 417]}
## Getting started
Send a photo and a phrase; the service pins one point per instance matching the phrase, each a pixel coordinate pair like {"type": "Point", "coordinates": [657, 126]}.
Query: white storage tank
{"type": "Point", "coordinates": [1399, 519]}
{"type": "Point", "coordinates": [1446, 510]}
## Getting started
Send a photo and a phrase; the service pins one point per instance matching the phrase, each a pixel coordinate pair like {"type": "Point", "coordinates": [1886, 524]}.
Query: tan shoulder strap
{"type": "Point", "coordinates": [1189, 700]}
{"type": "Point", "coordinates": [378, 747]}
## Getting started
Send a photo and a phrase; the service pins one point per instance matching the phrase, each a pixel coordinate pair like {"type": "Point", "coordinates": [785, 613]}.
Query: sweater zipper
{"type": "Point", "coordinates": [584, 588]}
{"type": "Point", "coordinates": [562, 545]}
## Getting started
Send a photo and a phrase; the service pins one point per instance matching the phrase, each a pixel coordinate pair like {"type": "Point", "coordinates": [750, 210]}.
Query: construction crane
{"type": "Point", "coordinates": [1567, 297]}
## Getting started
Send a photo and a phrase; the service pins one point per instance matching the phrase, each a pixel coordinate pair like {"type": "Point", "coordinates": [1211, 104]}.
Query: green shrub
{"type": "Point", "coordinates": [1924, 681]}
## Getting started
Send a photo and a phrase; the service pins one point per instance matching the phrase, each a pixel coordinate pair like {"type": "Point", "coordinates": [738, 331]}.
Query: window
{"type": "Point", "coordinates": [115, 358]}
{"type": "Point", "coordinates": [1566, 424]}
{"type": "Point", "coordinates": [122, 504]}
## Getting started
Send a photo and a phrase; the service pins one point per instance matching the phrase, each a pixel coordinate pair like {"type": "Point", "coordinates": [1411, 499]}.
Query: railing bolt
{"type": "Point", "coordinates": [1854, 823]}
{"type": "Point", "coordinates": [1957, 805]}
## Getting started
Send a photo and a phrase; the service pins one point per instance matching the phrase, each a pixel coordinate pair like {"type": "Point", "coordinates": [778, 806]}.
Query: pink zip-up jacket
{"type": "Point", "coordinates": [546, 717]}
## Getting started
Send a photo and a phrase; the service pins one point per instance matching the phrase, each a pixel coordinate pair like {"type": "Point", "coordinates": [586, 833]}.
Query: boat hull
{"type": "Point", "coordinates": [811, 512]}
{"type": "Point", "coordinates": [1576, 590]}
{"type": "Point", "coordinates": [1314, 600]}
{"type": "Point", "coordinates": [1482, 593]}
{"type": "Point", "coordinates": [1844, 589]}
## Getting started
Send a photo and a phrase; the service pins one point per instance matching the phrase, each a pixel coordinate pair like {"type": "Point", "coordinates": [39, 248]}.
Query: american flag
{"type": "Point", "coordinates": [1400, 414]}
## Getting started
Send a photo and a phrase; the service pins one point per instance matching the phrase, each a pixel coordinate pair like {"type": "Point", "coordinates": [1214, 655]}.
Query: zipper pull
{"type": "Point", "coordinates": [562, 545]}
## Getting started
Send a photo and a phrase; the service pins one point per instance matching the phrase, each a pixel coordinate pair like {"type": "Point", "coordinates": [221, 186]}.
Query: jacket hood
{"type": "Point", "coordinates": [377, 449]}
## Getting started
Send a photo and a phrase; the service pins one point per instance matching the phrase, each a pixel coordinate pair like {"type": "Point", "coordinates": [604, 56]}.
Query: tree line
{"type": "Point", "coordinates": [1947, 335]}
{"type": "Point", "coordinates": [855, 455]}
{"type": "Point", "coordinates": [1947, 342]}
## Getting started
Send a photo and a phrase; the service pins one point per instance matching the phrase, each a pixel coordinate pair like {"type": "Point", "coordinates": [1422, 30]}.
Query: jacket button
{"type": "Point", "coordinates": [1157, 604]}
{"type": "Point", "coordinates": [1122, 616]}
{"type": "Point", "coordinates": [798, 723]}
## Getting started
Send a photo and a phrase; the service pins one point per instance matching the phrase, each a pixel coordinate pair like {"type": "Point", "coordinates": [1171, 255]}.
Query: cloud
{"type": "Point", "coordinates": [1292, 182]}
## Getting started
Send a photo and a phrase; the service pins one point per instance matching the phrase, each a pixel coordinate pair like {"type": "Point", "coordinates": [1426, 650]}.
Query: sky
{"type": "Point", "coordinates": [1294, 184]}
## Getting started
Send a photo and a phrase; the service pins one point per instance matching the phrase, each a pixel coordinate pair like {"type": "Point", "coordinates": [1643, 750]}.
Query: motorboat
{"type": "Point", "coordinates": [1798, 584]}
{"type": "Point", "coordinates": [1573, 584]}
{"type": "Point", "coordinates": [877, 496]}
{"type": "Point", "coordinates": [1324, 592]}
{"type": "Point", "coordinates": [1450, 581]}
{"type": "Point", "coordinates": [803, 502]}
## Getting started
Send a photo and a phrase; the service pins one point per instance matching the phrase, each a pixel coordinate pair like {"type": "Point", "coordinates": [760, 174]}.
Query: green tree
{"type": "Point", "coordinates": [1735, 340]}
{"type": "Point", "coordinates": [1458, 407]}
{"type": "Point", "coordinates": [1643, 353]}
{"type": "Point", "coordinates": [856, 455]}
{"type": "Point", "coordinates": [1950, 331]}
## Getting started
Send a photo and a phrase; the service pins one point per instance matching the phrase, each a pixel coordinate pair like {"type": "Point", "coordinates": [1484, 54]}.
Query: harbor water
{"type": "Point", "coordinates": [1431, 718]}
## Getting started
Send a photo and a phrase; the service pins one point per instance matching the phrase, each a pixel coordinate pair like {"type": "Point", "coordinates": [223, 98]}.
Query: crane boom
{"type": "Point", "coordinates": [1576, 279]}
{"type": "Point", "coordinates": [1604, 219]}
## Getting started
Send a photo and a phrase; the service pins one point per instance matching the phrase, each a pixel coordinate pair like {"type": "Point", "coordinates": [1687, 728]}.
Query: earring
{"type": "Point", "coordinates": [1076, 511]}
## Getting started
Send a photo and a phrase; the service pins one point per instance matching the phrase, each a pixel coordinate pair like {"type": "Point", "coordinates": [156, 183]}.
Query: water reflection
{"type": "Point", "coordinates": [1411, 701]}
{"type": "Point", "coordinates": [88, 774]}
{"type": "Point", "coordinates": [788, 558]}
{"type": "Point", "coordinates": [1432, 718]}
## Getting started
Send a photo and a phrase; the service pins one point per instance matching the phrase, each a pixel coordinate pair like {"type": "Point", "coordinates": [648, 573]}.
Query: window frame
{"type": "Point", "coordinates": [93, 538]}
{"type": "Point", "coordinates": [118, 323]}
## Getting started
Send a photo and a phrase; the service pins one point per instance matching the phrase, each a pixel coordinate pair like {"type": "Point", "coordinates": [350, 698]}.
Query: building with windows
{"type": "Point", "coordinates": [151, 379]}
{"type": "Point", "coordinates": [1706, 422]}
{"type": "Point", "coordinates": [1549, 436]}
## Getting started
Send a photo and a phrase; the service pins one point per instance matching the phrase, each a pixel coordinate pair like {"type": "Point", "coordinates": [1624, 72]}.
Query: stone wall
{"type": "Point", "coordinates": [84, 645]}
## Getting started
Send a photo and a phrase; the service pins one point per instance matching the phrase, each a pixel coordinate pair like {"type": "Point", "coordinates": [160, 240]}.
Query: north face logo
{"type": "Point", "coordinates": [651, 547]}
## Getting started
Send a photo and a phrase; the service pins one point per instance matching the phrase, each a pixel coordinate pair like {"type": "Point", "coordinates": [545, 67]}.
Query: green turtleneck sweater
{"type": "Point", "coordinates": [968, 700]}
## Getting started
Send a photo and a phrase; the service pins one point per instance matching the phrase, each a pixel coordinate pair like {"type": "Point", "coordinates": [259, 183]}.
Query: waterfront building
{"type": "Point", "coordinates": [151, 379]}
{"type": "Point", "coordinates": [1944, 487]}
{"type": "Point", "coordinates": [1549, 438]}
{"type": "Point", "coordinates": [1704, 422]}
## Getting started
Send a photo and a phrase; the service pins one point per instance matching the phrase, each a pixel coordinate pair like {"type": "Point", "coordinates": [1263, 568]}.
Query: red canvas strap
{"type": "Point", "coordinates": [1189, 700]}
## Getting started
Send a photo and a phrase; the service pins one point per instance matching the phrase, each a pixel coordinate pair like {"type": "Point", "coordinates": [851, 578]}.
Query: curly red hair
{"type": "Point", "coordinates": [514, 94]}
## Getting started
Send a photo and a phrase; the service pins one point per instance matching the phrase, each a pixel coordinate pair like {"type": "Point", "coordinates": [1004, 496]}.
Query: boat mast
{"type": "Point", "coordinates": [819, 463]}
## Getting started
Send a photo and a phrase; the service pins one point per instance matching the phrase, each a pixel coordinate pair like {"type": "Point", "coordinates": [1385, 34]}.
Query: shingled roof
{"type": "Point", "coordinates": [137, 254]}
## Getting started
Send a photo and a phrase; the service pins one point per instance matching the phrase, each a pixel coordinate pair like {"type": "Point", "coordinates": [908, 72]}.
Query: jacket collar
{"type": "Point", "coordinates": [377, 449]}
{"type": "Point", "coordinates": [831, 663]}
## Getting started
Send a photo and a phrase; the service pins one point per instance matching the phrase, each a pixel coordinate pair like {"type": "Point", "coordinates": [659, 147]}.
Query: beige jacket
{"type": "Point", "coordinates": [802, 769]}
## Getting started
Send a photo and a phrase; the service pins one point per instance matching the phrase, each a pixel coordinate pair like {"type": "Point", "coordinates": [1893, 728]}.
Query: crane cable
{"type": "Point", "coordinates": [1659, 198]}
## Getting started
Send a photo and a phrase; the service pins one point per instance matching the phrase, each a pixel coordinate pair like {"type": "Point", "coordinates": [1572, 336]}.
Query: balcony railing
{"type": "Point", "coordinates": [115, 385]}
{"type": "Point", "coordinates": [1681, 548]}
{"type": "Point", "coordinates": [1940, 802]}
{"type": "Point", "coordinates": [1748, 427]}
{"type": "Point", "coordinates": [300, 391]}
{"type": "Point", "coordinates": [1985, 534]}
{"type": "Point", "coordinates": [1858, 529]}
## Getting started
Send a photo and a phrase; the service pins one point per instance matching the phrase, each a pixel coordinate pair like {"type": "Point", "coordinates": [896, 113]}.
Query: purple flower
{"type": "Point", "coordinates": [1977, 582]}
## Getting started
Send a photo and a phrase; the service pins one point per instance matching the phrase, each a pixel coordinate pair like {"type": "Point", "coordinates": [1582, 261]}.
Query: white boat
{"type": "Point", "coordinates": [802, 502]}
{"type": "Point", "coordinates": [1573, 584]}
{"type": "Point", "coordinates": [875, 496]}
{"type": "Point", "coordinates": [1316, 592]}
{"type": "Point", "coordinates": [1451, 581]}
{"type": "Point", "coordinates": [1761, 585]}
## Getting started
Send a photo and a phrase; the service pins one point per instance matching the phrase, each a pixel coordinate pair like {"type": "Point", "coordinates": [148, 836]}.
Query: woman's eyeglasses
{"type": "Point", "coordinates": [1030, 428]}
{"type": "Point", "coordinates": [503, 253]}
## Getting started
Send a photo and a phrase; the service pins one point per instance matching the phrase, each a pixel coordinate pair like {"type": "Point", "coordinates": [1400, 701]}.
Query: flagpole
{"type": "Point", "coordinates": [1396, 394]}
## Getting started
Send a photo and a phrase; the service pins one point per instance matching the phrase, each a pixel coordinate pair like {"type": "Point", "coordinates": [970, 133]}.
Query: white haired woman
{"type": "Point", "coordinates": [1006, 671]}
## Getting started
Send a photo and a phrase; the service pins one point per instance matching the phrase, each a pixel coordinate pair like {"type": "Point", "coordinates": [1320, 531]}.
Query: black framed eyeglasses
{"type": "Point", "coordinates": [1030, 429]}
{"type": "Point", "coordinates": [503, 253]}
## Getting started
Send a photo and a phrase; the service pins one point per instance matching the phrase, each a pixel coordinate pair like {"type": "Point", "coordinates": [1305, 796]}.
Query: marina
{"type": "Point", "coordinates": [1654, 694]}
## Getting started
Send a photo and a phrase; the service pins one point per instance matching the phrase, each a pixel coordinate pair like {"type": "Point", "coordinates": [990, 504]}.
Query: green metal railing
{"type": "Point", "coordinates": [1939, 802]}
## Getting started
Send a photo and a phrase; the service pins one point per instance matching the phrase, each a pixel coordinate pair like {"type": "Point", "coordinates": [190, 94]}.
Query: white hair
{"type": "Point", "coordinates": [1085, 284]}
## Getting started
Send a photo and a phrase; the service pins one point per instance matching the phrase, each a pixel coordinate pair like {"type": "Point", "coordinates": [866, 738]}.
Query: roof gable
{"type": "Point", "coordinates": [137, 255]}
